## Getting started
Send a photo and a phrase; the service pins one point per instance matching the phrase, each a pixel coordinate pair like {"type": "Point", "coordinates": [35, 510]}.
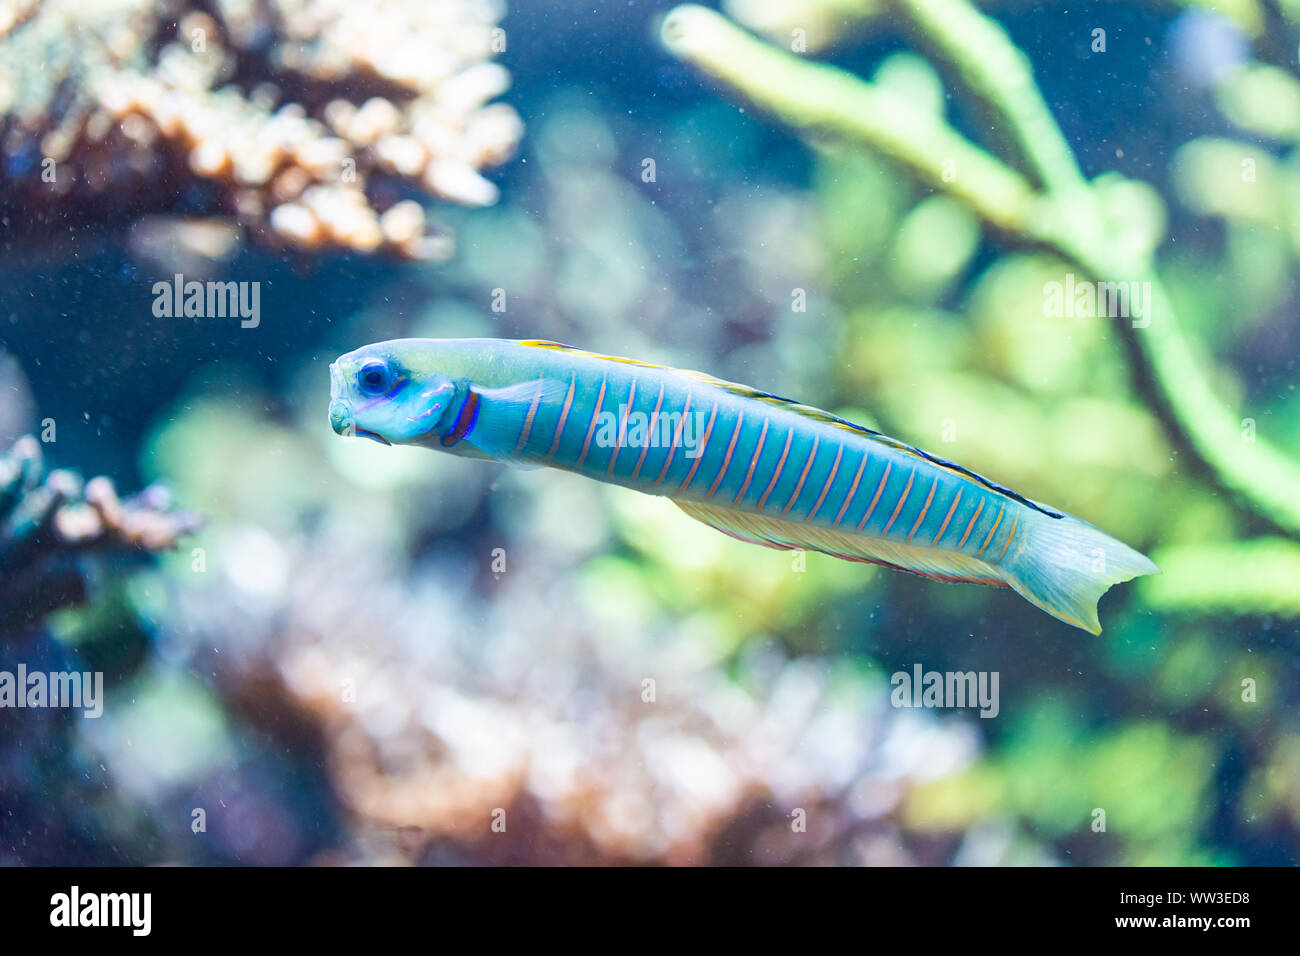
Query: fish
{"type": "Point", "coordinates": [758, 467]}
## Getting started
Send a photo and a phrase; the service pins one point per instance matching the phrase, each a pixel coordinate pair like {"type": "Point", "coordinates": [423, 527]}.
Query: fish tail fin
{"type": "Point", "coordinates": [1065, 565]}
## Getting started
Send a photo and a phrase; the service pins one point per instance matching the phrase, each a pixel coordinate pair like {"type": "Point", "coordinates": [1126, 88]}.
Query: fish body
{"type": "Point", "coordinates": [753, 465]}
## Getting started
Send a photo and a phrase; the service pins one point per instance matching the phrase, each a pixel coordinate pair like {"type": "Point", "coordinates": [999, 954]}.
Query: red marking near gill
{"type": "Point", "coordinates": [465, 420]}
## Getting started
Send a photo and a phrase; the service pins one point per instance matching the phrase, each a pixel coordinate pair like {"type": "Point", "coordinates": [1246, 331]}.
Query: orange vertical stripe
{"type": "Point", "coordinates": [827, 487]}
{"type": "Point", "coordinates": [879, 488]}
{"type": "Point", "coordinates": [899, 507]}
{"type": "Point", "coordinates": [677, 436]}
{"type": "Point", "coordinates": [803, 475]}
{"type": "Point", "coordinates": [622, 429]}
{"type": "Point", "coordinates": [975, 517]}
{"type": "Point", "coordinates": [591, 428]}
{"type": "Point", "coordinates": [853, 490]}
{"type": "Point", "coordinates": [528, 419]}
{"type": "Point", "coordinates": [948, 517]}
{"type": "Point", "coordinates": [564, 415]}
{"type": "Point", "coordinates": [992, 530]}
{"type": "Point", "coordinates": [650, 431]}
{"type": "Point", "coordinates": [921, 517]}
{"type": "Point", "coordinates": [726, 460]}
{"type": "Point", "coordinates": [789, 437]}
{"type": "Point", "coordinates": [699, 457]}
{"type": "Point", "coordinates": [749, 475]}
{"type": "Point", "coordinates": [1009, 537]}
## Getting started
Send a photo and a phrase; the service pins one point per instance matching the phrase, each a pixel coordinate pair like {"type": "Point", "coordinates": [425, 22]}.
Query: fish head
{"type": "Point", "coordinates": [377, 393]}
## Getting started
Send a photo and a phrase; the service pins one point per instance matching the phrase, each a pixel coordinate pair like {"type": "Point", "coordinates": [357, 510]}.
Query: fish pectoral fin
{"type": "Point", "coordinates": [504, 413]}
{"type": "Point", "coordinates": [790, 535]}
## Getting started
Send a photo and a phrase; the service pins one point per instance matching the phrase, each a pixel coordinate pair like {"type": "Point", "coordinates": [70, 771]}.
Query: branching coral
{"type": "Point", "coordinates": [51, 522]}
{"type": "Point", "coordinates": [306, 120]}
{"type": "Point", "coordinates": [444, 714]}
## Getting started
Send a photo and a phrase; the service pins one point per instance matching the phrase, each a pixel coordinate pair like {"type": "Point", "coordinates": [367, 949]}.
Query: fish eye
{"type": "Point", "coordinates": [373, 378]}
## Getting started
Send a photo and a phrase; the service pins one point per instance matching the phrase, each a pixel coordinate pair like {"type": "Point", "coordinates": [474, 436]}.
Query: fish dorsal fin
{"type": "Point", "coordinates": [789, 535]}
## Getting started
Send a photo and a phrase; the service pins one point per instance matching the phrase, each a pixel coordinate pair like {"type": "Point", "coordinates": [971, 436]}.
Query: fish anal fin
{"type": "Point", "coordinates": [788, 535]}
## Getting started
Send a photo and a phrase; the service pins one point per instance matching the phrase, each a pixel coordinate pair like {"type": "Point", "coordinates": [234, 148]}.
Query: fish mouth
{"type": "Point", "coordinates": [342, 423]}
{"type": "Point", "coordinates": [341, 417]}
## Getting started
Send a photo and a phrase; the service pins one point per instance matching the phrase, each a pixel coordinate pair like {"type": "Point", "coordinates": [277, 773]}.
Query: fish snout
{"type": "Point", "coordinates": [340, 408]}
{"type": "Point", "coordinates": [341, 417]}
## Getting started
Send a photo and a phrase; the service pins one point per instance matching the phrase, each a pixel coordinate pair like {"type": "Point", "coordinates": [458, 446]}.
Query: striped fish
{"type": "Point", "coordinates": [758, 467]}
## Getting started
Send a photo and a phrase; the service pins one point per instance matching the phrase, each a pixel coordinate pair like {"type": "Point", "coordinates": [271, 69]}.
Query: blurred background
{"type": "Point", "coordinates": [343, 653]}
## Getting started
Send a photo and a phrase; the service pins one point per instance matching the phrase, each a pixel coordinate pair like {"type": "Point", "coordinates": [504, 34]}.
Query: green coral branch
{"type": "Point", "coordinates": [1182, 396]}
{"type": "Point", "coordinates": [996, 71]}
{"type": "Point", "coordinates": [815, 98]}
{"type": "Point", "coordinates": [1067, 216]}
{"type": "Point", "coordinates": [1200, 421]}
{"type": "Point", "coordinates": [830, 21]}
{"type": "Point", "coordinates": [1256, 576]}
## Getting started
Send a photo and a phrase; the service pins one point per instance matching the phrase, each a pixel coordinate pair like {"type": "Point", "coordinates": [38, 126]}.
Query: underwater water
{"type": "Point", "coordinates": [298, 647]}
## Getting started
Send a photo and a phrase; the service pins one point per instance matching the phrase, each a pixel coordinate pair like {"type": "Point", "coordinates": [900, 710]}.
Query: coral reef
{"type": "Point", "coordinates": [313, 123]}
{"type": "Point", "coordinates": [51, 522]}
{"type": "Point", "coordinates": [516, 735]}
